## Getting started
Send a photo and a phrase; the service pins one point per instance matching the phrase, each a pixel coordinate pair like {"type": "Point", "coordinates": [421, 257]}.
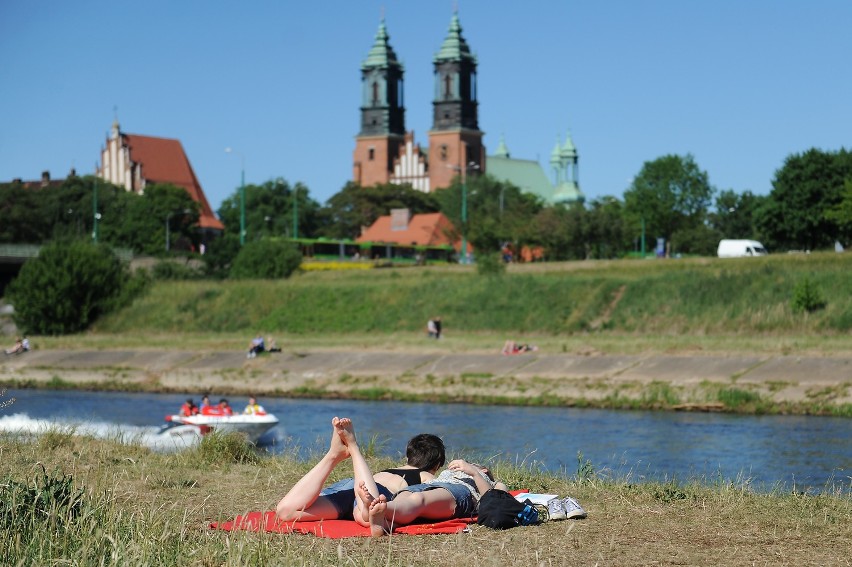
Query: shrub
{"type": "Point", "coordinates": [68, 286]}
{"type": "Point", "coordinates": [490, 265]}
{"type": "Point", "coordinates": [807, 297]}
{"type": "Point", "coordinates": [174, 271]}
{"type": "Point", "coordinates": [266, 259]}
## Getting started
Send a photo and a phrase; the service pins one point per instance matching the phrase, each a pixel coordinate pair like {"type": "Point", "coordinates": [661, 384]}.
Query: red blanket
{"type": "Point", "coordinates": [335, 529]}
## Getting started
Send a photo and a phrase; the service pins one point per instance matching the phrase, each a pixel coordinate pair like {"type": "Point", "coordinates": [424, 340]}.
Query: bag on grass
{"type": "Point", "coordinates": [499, 510]}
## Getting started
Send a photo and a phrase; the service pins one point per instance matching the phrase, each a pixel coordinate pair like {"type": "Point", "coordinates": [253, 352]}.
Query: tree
{"type": "Point", "coordinates": [266, 259]}
{"type": "Point", "coordinates": [670, 193]}
{"type": "Point", "coordinates": [805, 188]}
{"type": "Point", "coordinates": [355, 207]}
{"type": "Point", "coordinates": [139, 222]}
{"type": "Point", "coordinates": [841, 214]}
{"type": "Point", "coordinates": [734, 216]}
{"type": "Point", "coordinates": [270, 210]}
{"type": "Point", "coordinates": [497, 212]}
{"type": "Point", "coordinates": [68, 286]}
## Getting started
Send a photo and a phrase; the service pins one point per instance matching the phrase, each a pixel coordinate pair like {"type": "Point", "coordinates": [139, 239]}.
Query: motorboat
{"type": "Point", "coordinates": [253, 426]}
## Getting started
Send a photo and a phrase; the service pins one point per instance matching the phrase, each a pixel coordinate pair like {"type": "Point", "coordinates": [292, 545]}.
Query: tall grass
{"type": "Point", "coordinates": [97, 502]}
{"type": "Point", "coordinates": [668, 297]}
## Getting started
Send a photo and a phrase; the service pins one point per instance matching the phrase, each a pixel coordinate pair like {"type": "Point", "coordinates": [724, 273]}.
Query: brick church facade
{"type": "Point", "coordinates": [385, 152]}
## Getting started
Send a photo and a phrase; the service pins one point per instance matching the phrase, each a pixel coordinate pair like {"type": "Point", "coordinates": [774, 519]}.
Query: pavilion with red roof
{"type": "Point", "coordinates": [400, 227]}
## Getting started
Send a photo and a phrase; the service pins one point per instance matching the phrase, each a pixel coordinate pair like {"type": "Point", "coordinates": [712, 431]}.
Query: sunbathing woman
{"type": "Point", "coordinates": [454, 493]}
{"type": "Point", "coordinates": [309, 501]}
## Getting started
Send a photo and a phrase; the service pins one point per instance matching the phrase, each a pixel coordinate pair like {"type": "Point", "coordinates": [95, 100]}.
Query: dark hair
{"type": "Point", "coordinates": [426, 452]}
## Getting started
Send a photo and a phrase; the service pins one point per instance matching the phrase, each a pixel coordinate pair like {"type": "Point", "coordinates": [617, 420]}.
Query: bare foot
{"type": "Point", "coordinates": [365, 501]}
{"type": "Point", "coordinates": [346, 431]}
{"type": "Point", "coordinates": [338, 450]}
{"type": "Point", "coordinates": [378, 525]}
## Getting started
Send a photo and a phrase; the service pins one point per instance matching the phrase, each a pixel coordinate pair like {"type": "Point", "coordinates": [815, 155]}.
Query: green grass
{"type": "Point", "coordinates": [670, 298]}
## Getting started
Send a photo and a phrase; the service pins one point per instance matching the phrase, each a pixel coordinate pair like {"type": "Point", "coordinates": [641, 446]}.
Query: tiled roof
{"type": "Point", "coordinates": [162, 160]}
{"type": "Point", "coordinates": [428, 229]}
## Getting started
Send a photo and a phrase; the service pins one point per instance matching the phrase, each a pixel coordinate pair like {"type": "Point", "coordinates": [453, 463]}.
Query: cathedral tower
{"type": "Point", "coordinates": [455, 141]}
{"type": "Point", "coordinates": [382, 113]}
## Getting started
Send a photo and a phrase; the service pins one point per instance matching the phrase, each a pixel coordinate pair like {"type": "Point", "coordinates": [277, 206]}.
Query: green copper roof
{"type": "Point", "coordinates": [556, 154]}
{"type": "Point", "coordinates": [568, 149]}
{"type": "Point", "coordinates": [454, 48]}
{"type": "Point", "coordinates": [381, 54]}
{"type": "Point", "coordinates": [502, 150]}
{"type": "Point", "coordinates": [568, 192]}
{"type": "Point", "coordinates": [527, 175]}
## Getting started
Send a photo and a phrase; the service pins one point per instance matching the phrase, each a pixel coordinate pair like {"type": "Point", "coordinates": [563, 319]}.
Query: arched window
{"type": "Point", "coordinates": [448, 86]}
{"type": "Point", "coordinates": [375, 93]}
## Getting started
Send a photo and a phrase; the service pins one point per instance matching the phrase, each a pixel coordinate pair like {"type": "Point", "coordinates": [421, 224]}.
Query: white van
{"type": "Point", "coordinates": [740, 248]}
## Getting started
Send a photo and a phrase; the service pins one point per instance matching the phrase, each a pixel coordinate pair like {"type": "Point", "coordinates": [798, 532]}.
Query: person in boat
{"type": "Point", "coordinates": [206, 408]}
{"type": "Point", "coordinates": [455, 493]}
{"type": "Point", "coordinates": [254, 408]}
{"type": "Point", "coordinates": [188, 408]}
{"type": "Point", "coordinates": [307, 500]}
{"type": "Point", "coordinates": [225, 407]}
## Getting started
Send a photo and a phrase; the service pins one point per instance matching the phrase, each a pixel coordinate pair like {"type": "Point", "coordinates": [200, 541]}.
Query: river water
{"type": "Point", "coordinates": [794, 452]}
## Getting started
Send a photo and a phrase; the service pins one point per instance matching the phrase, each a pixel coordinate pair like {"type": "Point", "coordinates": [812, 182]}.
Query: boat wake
{"type": "Point", "coordinates": [148, 436]}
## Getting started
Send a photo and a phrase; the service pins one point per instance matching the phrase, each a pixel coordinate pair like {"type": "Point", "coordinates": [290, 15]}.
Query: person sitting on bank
{"type": "Point", "coordinates": [21, 346]}
{"type": "Point", "coordinates": [254, 408]}
{"type": "Point", "coordinates": [256, 346]}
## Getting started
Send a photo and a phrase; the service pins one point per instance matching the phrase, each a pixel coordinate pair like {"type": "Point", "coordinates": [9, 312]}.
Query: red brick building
{"type": "Point", "coordinates": [132, 161]}
{"type": "Point", "coordinates": [384, 152]}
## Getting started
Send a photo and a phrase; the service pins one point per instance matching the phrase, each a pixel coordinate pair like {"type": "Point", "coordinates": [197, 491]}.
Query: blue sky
{"type": "Point", "coordinates": [739, 84]}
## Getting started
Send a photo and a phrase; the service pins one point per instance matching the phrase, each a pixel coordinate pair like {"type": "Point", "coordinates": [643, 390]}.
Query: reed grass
{"type": "Point", "coordinates": [102, 502]}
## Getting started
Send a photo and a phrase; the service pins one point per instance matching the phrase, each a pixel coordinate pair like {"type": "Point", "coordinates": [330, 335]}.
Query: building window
{"type": "Point", "coordinates": [375, 93]}
{"type": "Point", "coordinates": [443, 152]}
{"type": "Point", "coordinates": [371, 154]}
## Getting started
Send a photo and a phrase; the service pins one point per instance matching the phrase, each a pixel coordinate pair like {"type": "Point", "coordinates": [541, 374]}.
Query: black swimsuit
{"type": "Point", "coordinates": [410, 476]}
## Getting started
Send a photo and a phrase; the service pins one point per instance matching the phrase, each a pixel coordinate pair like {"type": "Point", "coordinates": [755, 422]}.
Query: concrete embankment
{"type": "Point", "coordinates": [658, 381]}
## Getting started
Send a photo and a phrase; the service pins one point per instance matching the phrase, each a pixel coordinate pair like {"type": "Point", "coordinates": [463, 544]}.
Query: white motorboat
{"type": "Point", "coordinates": [253, 426]}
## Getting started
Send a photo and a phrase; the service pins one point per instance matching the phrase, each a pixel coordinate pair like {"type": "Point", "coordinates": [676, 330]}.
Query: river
{"type": "Point", "coordinates": [794, 452]}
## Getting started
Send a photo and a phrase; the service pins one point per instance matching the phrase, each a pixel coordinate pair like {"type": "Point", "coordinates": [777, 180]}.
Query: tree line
{"type": "Point", "coordinates": [670, 198]}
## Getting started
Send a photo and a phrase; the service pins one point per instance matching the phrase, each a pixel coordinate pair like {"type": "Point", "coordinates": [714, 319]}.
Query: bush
{"type": "Point", "coordinates": [807, 297]}
{"type": "Point", "coordinates": [168, 270]}
{"type": "Point", "coordinates": [68, 286]}
{"type": "Point", "coordinates": [266, 259]}
{"type": "Point", "coordinates": [490, 264]}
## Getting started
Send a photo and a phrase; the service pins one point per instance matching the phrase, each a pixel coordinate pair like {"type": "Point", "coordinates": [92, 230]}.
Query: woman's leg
{"type": "Point", "coordinates": [362, 473]}
{"type": "Point", "coordinates": [303, 501]}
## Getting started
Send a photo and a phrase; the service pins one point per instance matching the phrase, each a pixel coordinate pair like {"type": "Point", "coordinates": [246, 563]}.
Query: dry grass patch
{"type": "Point", "coordinates": [146, 508]}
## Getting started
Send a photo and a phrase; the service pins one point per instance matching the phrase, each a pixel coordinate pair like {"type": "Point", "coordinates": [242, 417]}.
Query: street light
{"type": "Point", "coordinates": [463, 171]}
{"type": "Point", "coordinates": [242, 194]}
{"type": "Point", "coordinates": [96, 216]}
{"type": "Point", "coordinates": [295, 212]}
{"type": "Point", "coordinates": [169, 218]}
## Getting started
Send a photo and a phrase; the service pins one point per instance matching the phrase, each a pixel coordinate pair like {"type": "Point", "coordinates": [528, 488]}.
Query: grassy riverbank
{"type": "Point", "coordinates": [665, 299]}
{"type": "Point", "coordinates": [74, 500]}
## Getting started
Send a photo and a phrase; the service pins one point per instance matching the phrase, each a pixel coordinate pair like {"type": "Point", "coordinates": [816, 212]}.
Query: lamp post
{"type": "Point", "coordinates": [295, 212]}
{"type": "Point", "coordinates": [242, 194]}
{"type": "Point", "coordinates": [463, 171]}
{"type": "Point", "coordinates": [168, 219]}
{"type": "Point", "coordinates": [96, 216]}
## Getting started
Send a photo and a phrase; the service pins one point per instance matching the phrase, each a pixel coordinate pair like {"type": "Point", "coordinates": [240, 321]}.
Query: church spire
{"type": "Point", "coordinates": [455, 104]}
{"type": "Point", "coordinates": [382, 105]}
